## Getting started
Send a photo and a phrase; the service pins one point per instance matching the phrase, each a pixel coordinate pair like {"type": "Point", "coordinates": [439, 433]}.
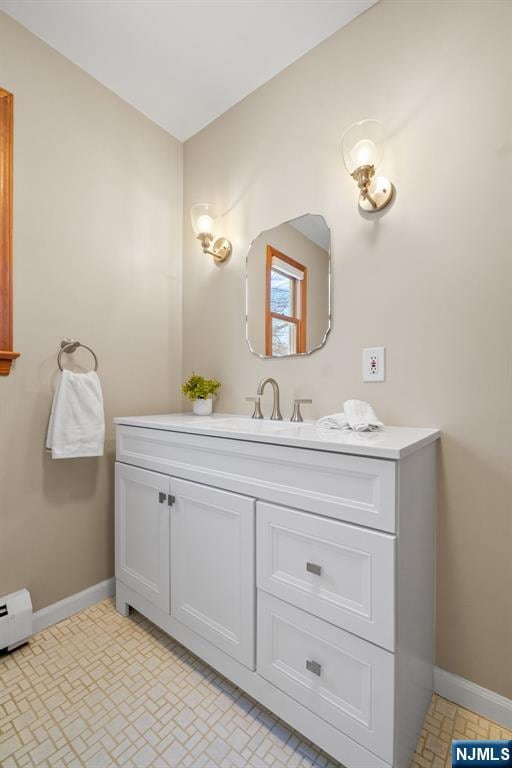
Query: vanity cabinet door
{"type": "Point", "coordinates": [142, 532]}
{"type": "Point", "coordinates": [212, 566]}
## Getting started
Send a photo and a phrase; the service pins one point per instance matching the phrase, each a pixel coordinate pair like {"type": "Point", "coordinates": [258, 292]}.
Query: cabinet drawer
{"type": "Point", "coordinates": [353, 488]}
{"type": "Point", "coordinates": [343, 679]}
{"type": "Point", "coordinates": [336, 571]}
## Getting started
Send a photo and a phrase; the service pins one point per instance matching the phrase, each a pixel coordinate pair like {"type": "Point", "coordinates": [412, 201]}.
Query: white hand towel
{"type": "Point", "coordinates": [361, 416]}
{"type": "Point", "coordinates": [77, 422]}
{"type": "Point", "coordinates": [334, 421]}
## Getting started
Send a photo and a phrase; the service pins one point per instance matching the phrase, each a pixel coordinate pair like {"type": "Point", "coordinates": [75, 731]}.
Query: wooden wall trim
{"type": "Point", "coordinates": [7, 354]}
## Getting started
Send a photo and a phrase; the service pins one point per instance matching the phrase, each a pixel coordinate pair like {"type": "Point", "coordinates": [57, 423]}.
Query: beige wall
{"type": "Point", "coordinates": [97, 246]}
{"type": "Point", "coordinates": [430, 280]}
{"type": "Point", "coordinates": [292, 243]}
{"type": "Point", "coordinates": [97, 256]}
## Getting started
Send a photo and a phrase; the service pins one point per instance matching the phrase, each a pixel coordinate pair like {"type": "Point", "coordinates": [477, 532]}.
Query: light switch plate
{"type": "Point", "coordinates": [374, 364]}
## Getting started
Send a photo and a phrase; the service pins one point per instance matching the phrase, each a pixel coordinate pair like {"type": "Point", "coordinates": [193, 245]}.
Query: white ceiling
{"type": "Point", "coordinates": [314, 228]}
{"type": "Point", "coordinates": [183, 62]}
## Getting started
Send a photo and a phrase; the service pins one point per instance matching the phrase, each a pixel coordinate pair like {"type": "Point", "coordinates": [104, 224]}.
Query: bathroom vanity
{"type": "Point", "coordinates": [296, 561]}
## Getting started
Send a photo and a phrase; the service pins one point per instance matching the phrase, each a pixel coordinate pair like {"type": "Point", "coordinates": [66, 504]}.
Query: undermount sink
{"type": "Point", "coordinates": [257, 426]}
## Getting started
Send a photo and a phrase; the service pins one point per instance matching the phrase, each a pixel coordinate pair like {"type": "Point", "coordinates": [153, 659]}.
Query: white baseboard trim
{"type": "Point", "coordinates": [472, 696]}
{"type": "Point", "coordinates": [56, 612]}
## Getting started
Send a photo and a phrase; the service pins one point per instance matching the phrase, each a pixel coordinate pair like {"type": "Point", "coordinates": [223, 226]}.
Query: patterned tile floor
{"type": "Point", "coordinates": [101, 691]}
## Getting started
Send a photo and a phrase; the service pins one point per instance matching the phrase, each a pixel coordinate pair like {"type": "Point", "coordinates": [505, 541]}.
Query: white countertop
{"type": "Point", "coordinates": [389, 443]}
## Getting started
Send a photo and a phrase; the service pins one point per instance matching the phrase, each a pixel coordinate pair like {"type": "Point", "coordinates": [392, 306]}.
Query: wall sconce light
{"type": "Point", "coordinates": [363, 148]}
{"type": "Point", "coordinates": [203, 216]}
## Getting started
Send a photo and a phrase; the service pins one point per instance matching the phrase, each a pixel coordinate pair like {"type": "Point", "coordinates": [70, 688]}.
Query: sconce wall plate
{"type": "Point", "coordinates": [220, 250]}
{"type": "Point", "coordinates": [381, 192]}
{"type": "Point", "coordinates": [376, 191]}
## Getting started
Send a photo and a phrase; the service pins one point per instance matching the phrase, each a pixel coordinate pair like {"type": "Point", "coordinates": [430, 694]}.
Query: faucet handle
{"type": "Point", "coordinates": [256, 414]}
{"type": "Point", "coordinates": [297, 415]}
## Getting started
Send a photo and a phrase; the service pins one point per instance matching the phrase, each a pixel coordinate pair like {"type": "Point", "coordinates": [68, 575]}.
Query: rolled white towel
{"type": "Point", "coordinates": [361, 417]}
{"type": "Point", "coordinates": [334, 421]}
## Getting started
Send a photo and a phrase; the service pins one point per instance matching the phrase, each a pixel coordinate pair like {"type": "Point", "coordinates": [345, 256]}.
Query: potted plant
{"type": "Point", "coordinates": [201, 391]}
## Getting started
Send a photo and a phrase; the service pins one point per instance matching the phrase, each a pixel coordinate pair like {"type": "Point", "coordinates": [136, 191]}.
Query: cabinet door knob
{"type": "Point", "coordinates": [161, 497]}
{"type": "Point", "coordinates": [314, 667]}
{"type": "Point", "coordinates": [313, 568]}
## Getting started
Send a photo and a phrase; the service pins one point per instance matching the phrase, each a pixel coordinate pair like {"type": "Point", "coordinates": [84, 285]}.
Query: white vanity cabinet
{"type": "Point", "coordinates": [299, 563]}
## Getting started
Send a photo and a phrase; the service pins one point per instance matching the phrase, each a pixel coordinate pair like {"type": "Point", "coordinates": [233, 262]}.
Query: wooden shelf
{"type": "Point", "coordinates": [6, 359]}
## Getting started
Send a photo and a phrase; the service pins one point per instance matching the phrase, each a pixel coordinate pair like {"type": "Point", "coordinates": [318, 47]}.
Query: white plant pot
{"type": "Point", "coordinates": [203, 407]}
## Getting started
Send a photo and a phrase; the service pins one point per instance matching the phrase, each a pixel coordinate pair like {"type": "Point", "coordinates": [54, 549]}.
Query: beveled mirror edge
{"type": "Point", "coordinates": [329, 306]}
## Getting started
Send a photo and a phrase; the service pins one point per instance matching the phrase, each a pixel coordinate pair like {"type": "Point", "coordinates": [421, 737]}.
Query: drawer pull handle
{"type": "Point", "coordinates": [312, 568]}
{"type": "Point", "coordinates": [314, 667]}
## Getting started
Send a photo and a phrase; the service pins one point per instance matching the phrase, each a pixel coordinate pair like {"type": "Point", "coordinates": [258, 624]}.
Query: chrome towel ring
{"type": "Point", "coordinates": [69, 346]}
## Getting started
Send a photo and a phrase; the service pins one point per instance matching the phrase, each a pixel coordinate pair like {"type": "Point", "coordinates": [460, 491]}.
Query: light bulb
{"type": "Point", "coordinates": [364, 152]}
{"type": "Point", "coordinates": [203, 218]}
{"type": "Point", "coordinates": [205, 224]}
{"type": "Point", "coordinates": [363, 144]}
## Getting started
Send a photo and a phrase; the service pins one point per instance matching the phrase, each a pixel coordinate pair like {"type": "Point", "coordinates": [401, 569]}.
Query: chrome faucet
{"type": "Point", "coordinates": [276, 413]}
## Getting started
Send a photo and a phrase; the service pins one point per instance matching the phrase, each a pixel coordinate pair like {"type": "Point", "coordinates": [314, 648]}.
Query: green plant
{"type": "Point", "coordinates": [199, 388]}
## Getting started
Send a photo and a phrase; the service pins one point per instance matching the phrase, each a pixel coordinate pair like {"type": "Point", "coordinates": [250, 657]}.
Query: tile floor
{"type": "Point", "coordinates": [101, 691]}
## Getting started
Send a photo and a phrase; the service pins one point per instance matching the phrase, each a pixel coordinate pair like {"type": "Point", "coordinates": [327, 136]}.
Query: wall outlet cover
{"type": "Point", "coordinates": [374, 364]}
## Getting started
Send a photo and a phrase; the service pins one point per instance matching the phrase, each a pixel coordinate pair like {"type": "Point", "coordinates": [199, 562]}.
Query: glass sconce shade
{"type": "Point", "coordinates": [363, 145]}
{"type": "Point", "coordinates": [203, 216]}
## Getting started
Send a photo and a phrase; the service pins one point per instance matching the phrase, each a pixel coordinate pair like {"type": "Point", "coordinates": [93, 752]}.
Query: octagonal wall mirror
{"type": "Point", "coordinates": [288, 288]}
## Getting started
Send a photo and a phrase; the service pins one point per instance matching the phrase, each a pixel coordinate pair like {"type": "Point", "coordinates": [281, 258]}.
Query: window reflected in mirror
{"type": "Point", "coordinates": [286, 303]}
{"type": "Point", "coordinates": [288, 288]}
